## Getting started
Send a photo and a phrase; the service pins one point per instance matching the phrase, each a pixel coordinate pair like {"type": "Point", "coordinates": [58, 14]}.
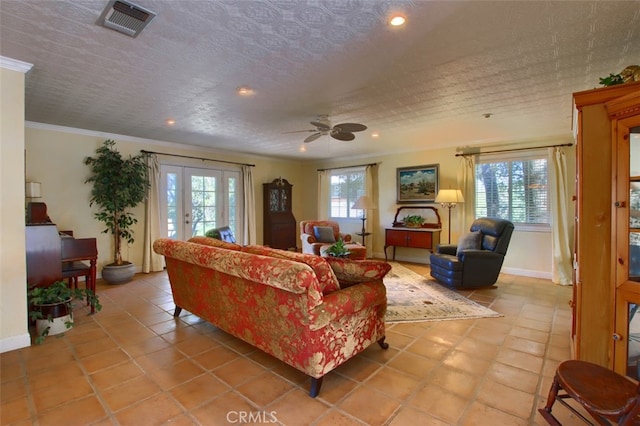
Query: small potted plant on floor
{"type": "Point", "coordinates": [52, 310]}
{"type": "Point", "coordinates": [119, 185]}
{"type": "Point", "coordinates": [338, 249]}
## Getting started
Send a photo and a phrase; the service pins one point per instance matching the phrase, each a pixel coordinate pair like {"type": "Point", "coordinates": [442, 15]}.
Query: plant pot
{"type": "Point", "coordinates": [60, 313]}
{"type": "Point", "coordinates": [118, 274]}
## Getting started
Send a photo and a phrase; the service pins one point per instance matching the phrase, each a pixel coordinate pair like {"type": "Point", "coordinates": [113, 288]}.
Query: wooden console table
{"type": "Point", "coordinates": [425, 237]}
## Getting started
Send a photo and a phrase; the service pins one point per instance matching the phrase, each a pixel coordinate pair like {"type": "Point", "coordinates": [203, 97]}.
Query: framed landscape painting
{"type": "Point", "coordinates": [418, 184]}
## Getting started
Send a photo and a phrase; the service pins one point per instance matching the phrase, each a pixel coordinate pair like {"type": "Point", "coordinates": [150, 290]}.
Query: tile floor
{"type": "Point", "coordinates": [134, 364]}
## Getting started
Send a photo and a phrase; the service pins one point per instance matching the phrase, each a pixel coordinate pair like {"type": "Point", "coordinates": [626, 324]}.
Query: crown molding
{"type": "Point", "coordinates": [15, 65]}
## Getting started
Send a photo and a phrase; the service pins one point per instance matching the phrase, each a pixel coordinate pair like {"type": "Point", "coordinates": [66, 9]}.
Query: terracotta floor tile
{"type": "Point", "coordinates": [264, 389]}
{"type": "Point", "coordinates": [482, 415]}
{"type": "Point", "coordinates": [335, 387]}
{"type": "Point", "coordinates": [466, 362]}
{"type": "Point", "coordinates": [216, 357]}
{"type": "Point", "coordinates": [296, 408]}
{"type": "Point", "coordinates": [238, 371]}
{"type": "Point", "coordinates": [105, 359]}
{"type": "Point", "coordinates": [337, 418]}
{"type": "Point", "coordinates": [160, 359]}
{"type": "Point", "coordinates": [199, 390]}
{"type": "Point", "coordinates": [79, 412]}
{"type": "Point", "coordinates": [455, 381]}
{"type": "Point", "coordinates": [196, 344]}
{"type": "Point", "coordinates": [369, 405]}
{"type": "Point", "coordinates": [358, 368]}
{"type": "Point", "coordinates": [428, 348]}
{"type": "Point", "coordinates": [155, 410]}
{"type": "Point", "coordinates": [60, 393]}
{"type": "Point", "coordinates": [231, 408]}
{"type": "Point", "coordinates": [414, 365]}
{"type": "Point", "coordinates": [516, 378]}
{"type": "Point", "coordinates": [520, 360]}
{"type": "Point", "coordinates": [507, 399]}
{"type": "Point", "coordinates": [14, 410]}
{"type": "Point", "coordinates": [95, 346]}
{"type": "Point", "coordinates": [411, 416]}
{"type": "Point", "coordinates": [524, 345]}
{"type": "Point", "coordinates": [394, 383]}
{"type": "Point", "coordinates": [113, 376]}
{"type": "Point", "coordinates": [440, 404]}
{"type": "Point", "coordinates": [176, 374]}
{"type": "Point", "coordinates": [12, 389]}
{"type": "Point", "coordinates": [129, 393]}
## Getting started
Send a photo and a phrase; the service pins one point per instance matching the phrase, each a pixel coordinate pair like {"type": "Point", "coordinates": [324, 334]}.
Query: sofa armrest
{"type": "Point", "coordinates": [351, 272]}
{"type": "Point", "coordinates": [308, 238]}
{"type": "Point", "coordinates": [348, 301]}
{"type": "Point", "coordinates": [472, 255]}
{"type": "Point", "coordinates": [446, 249]}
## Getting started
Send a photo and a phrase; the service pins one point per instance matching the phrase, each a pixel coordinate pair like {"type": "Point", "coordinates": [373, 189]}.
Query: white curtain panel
{"type": "Point", "coordinates": [561, 268]}
{"type": "Point", "coordinates": [151, 261]}
{"type": "Point", "coordinates": [467, 184]}
{"type": "Point", "coordinates": [323, 194]}
{"type": "Point", "coordinates": [249, 206]}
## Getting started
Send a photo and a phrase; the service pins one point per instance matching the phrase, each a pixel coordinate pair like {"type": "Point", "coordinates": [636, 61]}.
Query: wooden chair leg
{"type": "Point", "coordinates": [551, 399]}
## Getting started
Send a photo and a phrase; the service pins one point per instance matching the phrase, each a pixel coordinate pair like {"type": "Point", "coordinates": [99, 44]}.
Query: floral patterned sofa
{"type": "Point", "coordinates": [294, 306]}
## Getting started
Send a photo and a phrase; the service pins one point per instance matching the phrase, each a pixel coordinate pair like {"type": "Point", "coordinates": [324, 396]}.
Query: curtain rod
{"type": "Point", "coordinates": [514, 149]}
{"type": "Point", "coordinates": [196, 158]}
{"type": "Point", "coordinates": [348, 167]}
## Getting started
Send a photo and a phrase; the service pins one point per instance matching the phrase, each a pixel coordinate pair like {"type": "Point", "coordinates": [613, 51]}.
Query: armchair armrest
{"type": "Point", "coordinates": [345, 237]}
{"type": "Point", "coordinates": [479, 255]}
{"type": "Point", "coordinates": [347, 302]}
{"type": "Point", "coordinates": [447, 249]}
{"type": "Point", "coordinates": [308, 238]}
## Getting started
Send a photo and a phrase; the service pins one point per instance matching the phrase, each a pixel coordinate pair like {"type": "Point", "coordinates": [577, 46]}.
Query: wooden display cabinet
{"type": "Point", "coordinates": [279, 222]}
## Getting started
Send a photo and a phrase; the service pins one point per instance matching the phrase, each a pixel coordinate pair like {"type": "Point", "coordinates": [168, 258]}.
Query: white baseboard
{"type": "Point", "coordinates": [15, 342]}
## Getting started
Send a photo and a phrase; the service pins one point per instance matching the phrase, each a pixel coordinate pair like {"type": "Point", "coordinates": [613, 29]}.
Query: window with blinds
{"type": "Point", "coordinates": [515, 189]}
{"type": "Point", "coordinates": [346, 188]}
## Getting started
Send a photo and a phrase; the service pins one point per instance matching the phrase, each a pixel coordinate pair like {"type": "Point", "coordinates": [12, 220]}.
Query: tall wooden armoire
{"type": "Point", "coordinates": [279, 223]}
{"type": "Point", "coordinates": [607, 233]}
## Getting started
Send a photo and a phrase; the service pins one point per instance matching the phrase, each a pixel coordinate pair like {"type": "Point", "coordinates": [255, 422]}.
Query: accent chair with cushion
{"type": "Point", "coordinates": [477, 258]}
{"type": "Point", "coordinates": [318, 235]}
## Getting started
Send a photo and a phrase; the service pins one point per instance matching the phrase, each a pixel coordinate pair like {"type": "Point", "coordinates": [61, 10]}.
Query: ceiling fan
{"type": "Point", "coordinates": [342, 132]}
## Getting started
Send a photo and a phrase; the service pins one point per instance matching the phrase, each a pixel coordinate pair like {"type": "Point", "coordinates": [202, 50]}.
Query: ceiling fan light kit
{"type": "Point", "coordinates": [341, 132]}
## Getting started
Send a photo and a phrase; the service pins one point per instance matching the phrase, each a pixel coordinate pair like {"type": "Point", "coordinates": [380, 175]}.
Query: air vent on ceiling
{"type": "Point", "coordinates": [125, 17]}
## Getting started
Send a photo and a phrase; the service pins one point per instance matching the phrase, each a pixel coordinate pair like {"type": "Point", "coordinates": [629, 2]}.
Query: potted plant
{"type": "Point", "coordinates": [338, 249]}
{"type": "Point", "coordinates": [413, 221]}
{"type": "Point", "coordinates": [52, 310]}
{"type": "Point", "coordinates": [119, 185]}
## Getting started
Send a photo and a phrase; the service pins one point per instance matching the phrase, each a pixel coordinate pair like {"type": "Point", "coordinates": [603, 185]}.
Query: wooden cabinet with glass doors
{"type": "Point", "coordinates": [607, 236]}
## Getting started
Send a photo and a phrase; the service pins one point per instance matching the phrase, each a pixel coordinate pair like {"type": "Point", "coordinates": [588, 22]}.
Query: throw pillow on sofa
{"type": "Point", "coordinates": [324, 234]}
{"type": "Point", "coordinates": [469, 241]}
{"type": "Point", "coordinates": [350, 272]}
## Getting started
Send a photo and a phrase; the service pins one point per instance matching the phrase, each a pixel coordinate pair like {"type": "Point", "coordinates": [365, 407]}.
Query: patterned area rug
{"type": "Point", "coordinates": [414, 298]}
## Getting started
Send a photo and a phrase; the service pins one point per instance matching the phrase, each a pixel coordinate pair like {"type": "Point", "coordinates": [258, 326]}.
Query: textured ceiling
{"type": "Point", "coordinates": [425, 85]}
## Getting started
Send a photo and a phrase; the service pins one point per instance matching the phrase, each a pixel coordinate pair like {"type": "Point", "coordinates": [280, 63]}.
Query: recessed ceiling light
{"type": "Point", "coordinates": [302, 148]}
{"type": "Point", "coordinates": [244, 91]}
{"type": "Point", "coordinates": [375, 135]}
{"type": "Point", "coordinates": [397, 20]}
{"type": "Point", "coordinates": [170, 121]}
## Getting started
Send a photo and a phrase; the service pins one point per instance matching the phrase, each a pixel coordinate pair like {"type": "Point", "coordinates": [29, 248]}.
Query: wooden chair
{"type": "Point", "coordinates": [606, 395]}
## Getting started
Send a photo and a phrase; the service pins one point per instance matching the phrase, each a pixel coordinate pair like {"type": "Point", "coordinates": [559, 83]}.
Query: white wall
{"type": "Point", "coordinates": [14, 332]}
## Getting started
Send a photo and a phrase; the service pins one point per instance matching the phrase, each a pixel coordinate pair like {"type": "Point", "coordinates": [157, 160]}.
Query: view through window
{"type": "Point", "coordinates": [346, 187]}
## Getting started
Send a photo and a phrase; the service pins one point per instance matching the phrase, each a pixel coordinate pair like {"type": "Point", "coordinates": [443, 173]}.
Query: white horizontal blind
{"type": "Point", "coordinates": [513, 187]}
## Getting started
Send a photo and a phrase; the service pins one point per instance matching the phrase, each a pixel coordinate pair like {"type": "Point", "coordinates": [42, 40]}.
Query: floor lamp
{"type": "Point", "coordinates": [363, 203]}
{"type": "Point", "coordinates": [449, 198]}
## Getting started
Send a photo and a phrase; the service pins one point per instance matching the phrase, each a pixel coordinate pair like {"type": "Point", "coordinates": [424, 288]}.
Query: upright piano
{"type": "Point", "coordinates": [51, 253]}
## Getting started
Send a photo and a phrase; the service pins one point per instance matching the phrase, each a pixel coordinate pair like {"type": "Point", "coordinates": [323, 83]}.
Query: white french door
{"type": "Point", "coordinates": [194, 200]}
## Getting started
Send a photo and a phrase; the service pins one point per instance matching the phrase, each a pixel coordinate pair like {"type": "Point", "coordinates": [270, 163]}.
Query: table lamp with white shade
{"type": "Point", "coordinates": [448, 198]}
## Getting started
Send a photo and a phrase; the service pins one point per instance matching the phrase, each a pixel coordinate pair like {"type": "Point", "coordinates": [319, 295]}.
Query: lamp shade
{"type": "Point", "coordinates": [449, 196]}
{"type": "Point", "coordinates": [32, 190]}
{"type": "Point", "coordinates": [363, 203]}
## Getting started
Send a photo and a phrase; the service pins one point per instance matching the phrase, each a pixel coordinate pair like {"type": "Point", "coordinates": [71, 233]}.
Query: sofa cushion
{"type": "Point", "coordinates": [326, 278]}
{"type": "Point", "coordinates": [324, 234]}
{"type": "Point", "coordinates": [469, 241]}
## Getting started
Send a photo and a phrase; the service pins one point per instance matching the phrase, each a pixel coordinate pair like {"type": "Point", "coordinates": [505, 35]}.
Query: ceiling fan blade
{"type": "Point", "coordinates": [313, 137]}
{"type": "Point", "coordinates": [342, 136]}
{"type": "Point", "coordinates": [350, 127]}
{"type": "Point", "coordinates": [321, 125]}
{"type": "Point", "coordinates": [300, 131]}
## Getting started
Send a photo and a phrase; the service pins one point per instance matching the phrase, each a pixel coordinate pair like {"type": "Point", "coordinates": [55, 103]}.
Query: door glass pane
{"type": "Point", "coordinates": [203, 204]}
{"type": "Point", "coordinates": [231, 205]}
{"type": "Point", "coordinates": [634, 206]}
{"type": "Point", "coordinates": [172, 205]}
{"type": "Point", "coordinates": [633, 351]}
